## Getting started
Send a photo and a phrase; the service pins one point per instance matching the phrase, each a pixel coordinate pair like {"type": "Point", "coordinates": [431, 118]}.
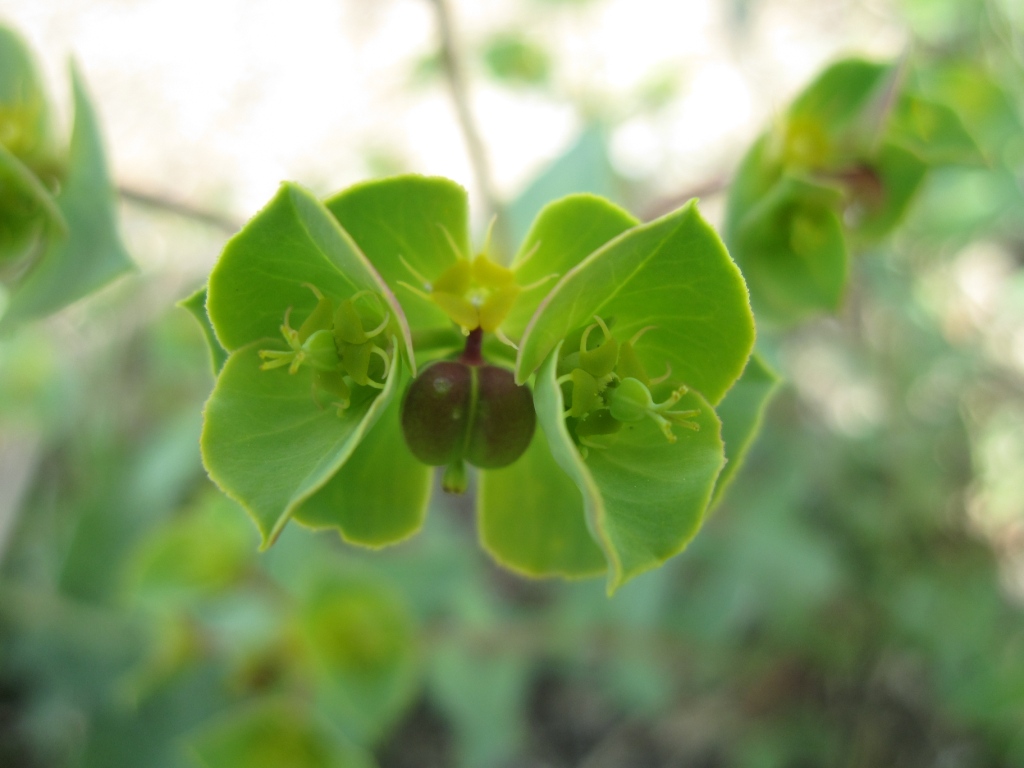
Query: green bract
{"type": "Point", "coordinates": [58, 233]}
{"type": "Point", "coordinates": [628, 334]}
{"type": "Point", "coordinates": [272, 438]}
{"type": "Point", "coordinates": [839, 168]}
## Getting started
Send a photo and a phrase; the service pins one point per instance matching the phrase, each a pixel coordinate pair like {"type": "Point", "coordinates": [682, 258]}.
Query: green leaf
{"type": "Point", "coordinates": [742, 412]}
{"type": "Point", "coordinates": [291, 244]}
{"type": "Point", "coordinates": [933, 132]}
{"type": "Point", "coordinates": [380, 495]}
{"type": "Point", "coordinates": [674, 274]}
{"type": "Point", "coordinates": [200, 553]}
{"type": "Point", "coordinates": [268, 446]}
{"type": "Point", "coordinates": [483, 695]}
{"type": "Point", "coordinates": [273, 733]}
{"type": "Point", "coordinates": [644, 497]}
{"type": "Point", "coordinates": [532, 519]}
{"type": "Point", "coordinates": [792, 250]}
{"type": "Point", "coordinates": [837, 114]}
{"type": "Point", "coordinates": [978, 100]}
{"type": "Point", "coordinates": [22, 188]}
{"type": "Point", "coordinates": [516, 60]}
{"type": "Point", "coordinates": [564, 233]}
{"type": "Point", "coordinates": [584, 167]}
{"type": "Point", "coordinates": [406, 217]}
{"type": "Point", "coordinates": [92, 254]}
{"type": "Point", "coordinates": [26, 119]}
{"type": "Point", "coordinates": [195, 305]}
{"type": "Point", "coordinates": [900, 174]}
{"type": "Point", "coordinates": [361, 637]}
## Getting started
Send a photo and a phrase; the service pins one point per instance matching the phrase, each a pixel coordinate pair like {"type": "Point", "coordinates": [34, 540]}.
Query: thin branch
{"type": "Point", "coordinates": [178, 208]}
{"type": "Point", "coordinates": [457, 85]}
{"type": "Point", "coordinates": [707, 188]}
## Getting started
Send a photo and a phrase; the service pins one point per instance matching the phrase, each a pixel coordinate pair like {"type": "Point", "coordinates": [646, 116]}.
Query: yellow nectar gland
{"type": "Point", "coordinates": [610, 386]}
{"type": "Point", "coordinates": [335, 344]}
{"type": "Point", "coordinates": [474, 294]}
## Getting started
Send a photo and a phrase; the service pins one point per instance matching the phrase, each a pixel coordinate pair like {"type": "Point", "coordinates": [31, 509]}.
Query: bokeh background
{"type": "Point", "coordinates": [857, 600]}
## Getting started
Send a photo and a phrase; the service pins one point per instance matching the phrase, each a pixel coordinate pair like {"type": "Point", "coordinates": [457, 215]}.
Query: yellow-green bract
{"type": "Point", "coordinates": [666, 293]}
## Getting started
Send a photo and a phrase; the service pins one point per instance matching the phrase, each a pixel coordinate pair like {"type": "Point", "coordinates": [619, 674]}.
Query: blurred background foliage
{"type": "Point", "coordinates": [856, 600]}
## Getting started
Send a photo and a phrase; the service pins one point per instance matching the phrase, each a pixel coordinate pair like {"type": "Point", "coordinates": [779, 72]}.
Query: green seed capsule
{"type": "Point", "coordinates": [455, 412]}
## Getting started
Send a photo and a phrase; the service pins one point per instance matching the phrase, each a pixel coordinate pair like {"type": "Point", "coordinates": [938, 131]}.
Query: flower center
{"type": "Point", "coordinates": [342, 345]}
{"type": "Point", "coordinates": [606, 385]}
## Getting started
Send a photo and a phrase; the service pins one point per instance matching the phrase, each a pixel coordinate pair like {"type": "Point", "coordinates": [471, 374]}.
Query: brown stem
{"type": "Point", "coordinates": [473, 354]}
{"type": "Point", "coordinates": [177, 207]}
{"type": "Point", "coordinates": [457, 85]}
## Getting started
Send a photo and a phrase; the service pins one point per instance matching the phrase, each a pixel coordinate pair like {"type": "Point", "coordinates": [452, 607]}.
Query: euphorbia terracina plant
{"type": "Point", "coordinates": [360, 341]}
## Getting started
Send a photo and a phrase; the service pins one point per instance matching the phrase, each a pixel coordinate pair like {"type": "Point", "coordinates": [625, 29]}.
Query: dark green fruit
{"type": "Point", "coordinates": [455, 412]}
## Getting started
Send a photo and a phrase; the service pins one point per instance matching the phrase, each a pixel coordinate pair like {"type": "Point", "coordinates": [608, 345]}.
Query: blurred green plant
{"type": "Point", "coordinates": [58, 230]}
{"type": "Point", "coordinates": [840, 608]}
{"type": "Point", "coordinates": [837, 171]}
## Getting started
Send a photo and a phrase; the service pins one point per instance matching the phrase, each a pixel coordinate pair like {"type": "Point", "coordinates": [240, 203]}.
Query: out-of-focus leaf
{"type": "Point", "coordinates": [91, 254]}
{"type": "Point", "coordinates": [513, 59]}
{"type": "Point", "coordinates": [881, 204]}
{"type": "Point", "coordinates": [26, 119]}
{"type": "Point", "coordinates": [24, 194]}
{"type": "Point", "coordinates": [933, 132]}
{"type": "Point", "coordinates": [273, 734]}
{"type": "Point", "coordinates": [792, 251]}
{"type": "Point", "coordinates": [823, 122]}
{"type": "Point", "coordinates": [200, 553]}
{"type": "Point", "coordinates": [484, 697]}
{"type": "Point", "coordinates": [361, 637]}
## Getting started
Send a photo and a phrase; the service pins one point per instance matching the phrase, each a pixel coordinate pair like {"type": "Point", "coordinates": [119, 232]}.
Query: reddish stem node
{"type": "Point", "coordinates": [473, 354]}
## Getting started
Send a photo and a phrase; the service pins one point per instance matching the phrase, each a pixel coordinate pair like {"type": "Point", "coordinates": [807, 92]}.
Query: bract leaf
{"type": "Point", "coordinates": [837, 115]}
{"type": "Point", "coordinates": [674, 274]}
{"type": "Point", "coordinates": [26, 118]}
{"type": "Point", "coordinates": [92, 253]}
{"type": "Point", "coordinates": [792, 250]}
{"type": "Point", "coordinates": [361, 636]}
{"type": "Point", "coordinates": [195, 305]}
{"type": "Point", "coordinates": [644, 497]}
{"type": "Point", "coordinates": [406, 217]}
{"type": "Point", "coordinates": [532, 519]}
{"type": "Point", "coordinates": [933, 132]}
{"type": "Point", "coordinates": [18, 180]}
{"type": "Point", "coordinates": [742, 412]}
{"type": "Point", "coordinates": [564, 233]}
{"type": "Point", "coordinates": [273, 733]}
{"type": "Point", "coordinates": [900, 173]}
{"type": "Point", "coordinates": [380, 495]}
{"type": "Point", "coordinates": [291, 244]}
{"type": "Point", "coordinates": [267, 446]}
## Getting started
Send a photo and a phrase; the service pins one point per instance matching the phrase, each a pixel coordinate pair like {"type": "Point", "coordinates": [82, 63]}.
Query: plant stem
{"type": "Point", "coordinates": [457, 85]}
{"type": "Point", "coordinates": [472, 354]}
{"type": "Point", "coordinates": [178, 208]}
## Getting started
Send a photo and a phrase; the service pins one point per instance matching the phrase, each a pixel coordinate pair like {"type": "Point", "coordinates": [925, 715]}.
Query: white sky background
{"type": "Point", "coordinates": [215, 102]}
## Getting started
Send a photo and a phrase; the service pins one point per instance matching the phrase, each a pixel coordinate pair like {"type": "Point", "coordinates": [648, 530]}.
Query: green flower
{"type": "Point", "coordinates": [327, 312]}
